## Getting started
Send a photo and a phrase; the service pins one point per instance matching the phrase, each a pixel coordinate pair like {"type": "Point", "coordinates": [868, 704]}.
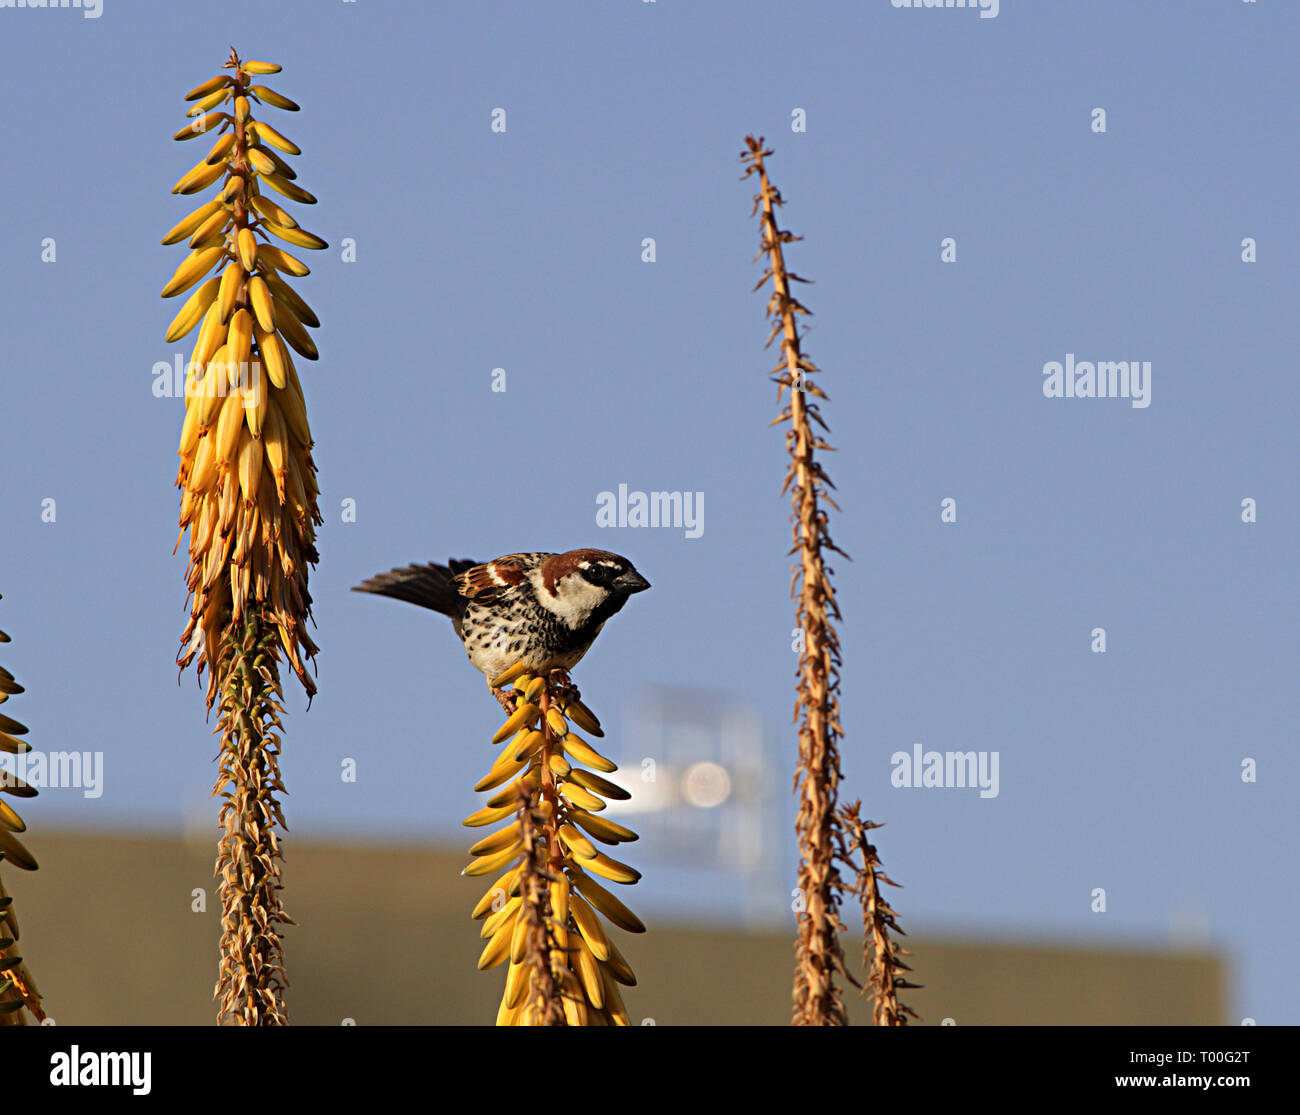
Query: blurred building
{"type": "Point", "coordinates": [112, 932]}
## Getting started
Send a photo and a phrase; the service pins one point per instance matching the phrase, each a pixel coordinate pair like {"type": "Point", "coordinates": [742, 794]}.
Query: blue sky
{"type": "Point", "coordinates": [522, 250]}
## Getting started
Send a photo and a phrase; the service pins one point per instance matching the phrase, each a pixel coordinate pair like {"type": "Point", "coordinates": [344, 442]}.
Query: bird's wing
{"type": "Point", "coordinates": [430, 586]}
{"type": "Point", "coordinates": [486, 583]}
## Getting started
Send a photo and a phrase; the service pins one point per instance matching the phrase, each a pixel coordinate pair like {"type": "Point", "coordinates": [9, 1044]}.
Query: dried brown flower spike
{"type": "Point", "coordinates": [819, 828]}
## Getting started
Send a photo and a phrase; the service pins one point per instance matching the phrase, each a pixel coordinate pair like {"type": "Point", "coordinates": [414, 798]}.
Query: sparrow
{"type": "Point", "coordinates": [544, 610]}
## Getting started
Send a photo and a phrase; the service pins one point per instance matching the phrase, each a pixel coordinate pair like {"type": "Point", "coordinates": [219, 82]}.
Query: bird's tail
{"type": "Point", "coordinates": [430, 586]}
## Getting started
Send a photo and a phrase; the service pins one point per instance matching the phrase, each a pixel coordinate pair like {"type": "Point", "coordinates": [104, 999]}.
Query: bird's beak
{"type": "Point", "coordinates": [630, 582]}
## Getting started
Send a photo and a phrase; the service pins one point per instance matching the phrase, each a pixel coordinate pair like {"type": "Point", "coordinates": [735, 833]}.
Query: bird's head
{"type": "Point", "coordinates": [583, 585]}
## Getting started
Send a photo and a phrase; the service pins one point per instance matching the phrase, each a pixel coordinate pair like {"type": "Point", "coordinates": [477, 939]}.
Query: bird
{"type": "Point", "coordinates": [543, 610]}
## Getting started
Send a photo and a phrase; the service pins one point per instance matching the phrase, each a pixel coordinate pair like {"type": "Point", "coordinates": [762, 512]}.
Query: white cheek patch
{"type": "Point", "coordinates": [574, 600]}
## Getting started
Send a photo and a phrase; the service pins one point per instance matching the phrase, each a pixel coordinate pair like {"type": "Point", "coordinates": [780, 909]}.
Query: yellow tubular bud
{"type": "Point", "coordinates": [260, 161]}
{"type": "Point", "coordinates": [614, 1001]}
{"type": "Point", "coordinates": [581, 751]}
{"type": "Point", "coordinates": [559, 888]}
{"type": "Point", "coordinates": [588, 969]}
{"type": "Point", "coordinates": [198, 177]}
{"type": "Point", "coordinates": [581, 715]}
{"type": "Point", "coordinates": [269, 347]}
{"type": "Point", "coordinates": [213, 226]}
{"type": "Point", "coordinates": [504, 769]}
{"type": "Point", "coordinates": [504, 838]}
{"type": "Point", "coordinates": [232, 279]}
{"type": "Point", "coordinates": [528, 743]}
{"type": "Point", "coordinates": [183, 229]}
{"type": "Point", "coordinates": [241, 338]}
{"type": "Point", "coordinates": [294, 334]}
{"type": "Point", "coordinates": [285, 293]}
{"type": "Point", "coordinates": [272, 98]}
{"type": "Point", "coordinates": [283, 261]}
{"type": "Point", "coordinates": [482, 817]}
{"type": "Point", "coordinates": [502, 680]}
{"type": "Point", "coordinates": [519, 940]}
{"type": "Point", "coordinates": [221, 81]}
{"type": "Point", "coordinates": [229, 423]}
{"type": "Point", "coordinates": [220, 149]}
{"type": "Point", "coordinates": [505, 913]}
{"type": "Point", "coordinates": [257, 397]}
{"type": "Point", "coordinates": [602, 828]}
{"type": "Point", "coordinates": [212, 334]}
{"type": "Point", "coordinates": [250, 465]}
{"type": "Point", "coordinates": [191, 271]}
{"type": "Point", "coordinates": [602, 786]}
{"type": "Point", "coordinates": [486, 865]}
{"type": "Point", "coordinates": [506, 797]}
{"type": "Point", "coordinates": [606, 903]}
{"type": "Point", "coordinates": [207, 522]}
{"type": "Point", "coordinates": [575, 1011]}
{"type": "Point", "coordinates": [268, 210]}
{"type": "Point", "coordinates": [246, 245]}
{"type": "Point", "coordinates": [556, 722]}
{"type": "Point", "coordinates": [516, 985]}
{"type": "Point", "coordinates": [209, 102]}
{"type": "Point", "coordinates": [259, 297]}
{"type": "Point", "coordinates": [611, 869]}
{"type": "Point", "coordinates": [496, 895]}
{"type": "Point", "coordinates": [204, 472]}
{"type": "Point", "coordinates": [233, 188]}
{"type": "Point", "coordinates": [277, 449]}
{"type": "Point", "coordinates": [201, 127]}
{"type": "Point", "coordinates": [619, 968]}
{"type": "Point", "coordinates": [574, 793]}
{"type": "Point", "coordinates": [293, 408]}
{"type": "Point", "coordinates": [190, 430]}
{"type": "Point", "coordinates": [213, 392]}
{"type": "Point", "coordinates": [589, 926]}
{"type": "Point", "coordinates": [578, 844]}
{"type": "Point", "coordinates": [269, 135]}
{"type": "Point", "coordinates": [297, 236]}
{"type": "Point", "coordinates": [497, 949]}
{"type": "Point", "coordinates": [282, 168]}
{"type": "Point", "coordinates": [522, 717]}
{"type": "Point", "coordinates": [190, 314]}
{"type": "Point", "coordinates": [282, 185]}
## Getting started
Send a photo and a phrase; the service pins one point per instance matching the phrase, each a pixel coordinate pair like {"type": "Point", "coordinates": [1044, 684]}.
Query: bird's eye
{"type": "Point", "coordinates": [599, 574]}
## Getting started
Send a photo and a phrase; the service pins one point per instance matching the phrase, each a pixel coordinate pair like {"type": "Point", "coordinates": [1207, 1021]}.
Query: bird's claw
{"type": "Point", "coordinates": [506, 698]}
{"type": "Point", "coordinates": [562, 685]}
